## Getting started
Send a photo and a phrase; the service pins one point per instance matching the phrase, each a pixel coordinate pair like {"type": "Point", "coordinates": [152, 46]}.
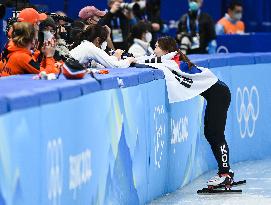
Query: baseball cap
{"type": "Point", "coordinates": [90, 11]}
{"type": "Point", "coordinates": [30, 15]}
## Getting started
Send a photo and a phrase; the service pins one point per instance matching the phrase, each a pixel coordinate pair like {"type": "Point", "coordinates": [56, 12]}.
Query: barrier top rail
{"type": "Point", "coordinates": [20, 92]}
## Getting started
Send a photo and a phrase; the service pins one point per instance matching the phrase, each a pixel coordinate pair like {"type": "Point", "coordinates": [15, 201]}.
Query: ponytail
{"type": "Point", "coordinates": [90, 34]}
{"type": "Point", "coordinates": [184, 58]}
{"type": "Point", "coordinates": [169, 45]}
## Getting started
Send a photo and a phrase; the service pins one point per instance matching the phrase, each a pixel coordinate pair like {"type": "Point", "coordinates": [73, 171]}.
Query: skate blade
{"type": "Point", "coordinates": [206, 191]}
{"type": "Point", "coordinates": [234, 184]}
{"type": "Point", "coordinates": [239, 183]}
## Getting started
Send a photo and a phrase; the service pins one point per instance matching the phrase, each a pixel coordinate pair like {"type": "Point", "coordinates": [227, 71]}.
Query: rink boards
{"type": "Point", "coordinates": [122, 143]}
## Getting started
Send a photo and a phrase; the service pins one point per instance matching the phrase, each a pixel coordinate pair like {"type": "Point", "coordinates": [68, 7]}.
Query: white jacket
{"type": "Point", "coordinates": [181, 85]}
{"type": "Point", "coordinates": [87, 52]}
{"type": "Point", "coordinates": [140, 48]}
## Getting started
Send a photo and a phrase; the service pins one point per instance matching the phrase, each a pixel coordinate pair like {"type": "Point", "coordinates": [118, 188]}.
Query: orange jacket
{"type": "Point", "coordinates": [20, 61]}
{"type": "Point", "coordinates": [230, 28]}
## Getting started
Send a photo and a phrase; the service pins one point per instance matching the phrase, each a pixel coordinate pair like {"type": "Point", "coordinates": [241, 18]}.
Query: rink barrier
{"type": "Point", "coordinates": [120, 141]}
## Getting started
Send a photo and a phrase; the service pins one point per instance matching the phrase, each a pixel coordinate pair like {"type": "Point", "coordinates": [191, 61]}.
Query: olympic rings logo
{"type": "Point", "coordinates": [55, 170]}
{"type": "Point", "coordinates": [247, 110]}
{"type": "Point", "coordinates": [222, 49]}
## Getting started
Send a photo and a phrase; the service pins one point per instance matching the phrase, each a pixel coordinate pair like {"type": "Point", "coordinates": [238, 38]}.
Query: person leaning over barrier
{"type": "Point", "coordinates": [89, 50]}
{"type": "Point", "coordinates": [19, 58]}
{"type": "Point", "coordinates": [186, 80]}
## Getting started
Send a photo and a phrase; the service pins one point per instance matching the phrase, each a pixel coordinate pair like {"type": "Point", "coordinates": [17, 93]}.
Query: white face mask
{"type": "Point", "coordinates": [237, 16]}
{"type": "Point", "coordinates": [148, 37]}
{"type": "Point", "coordinates": [48, 35]}
{"type": "Point", "coordinates": [104, 45]}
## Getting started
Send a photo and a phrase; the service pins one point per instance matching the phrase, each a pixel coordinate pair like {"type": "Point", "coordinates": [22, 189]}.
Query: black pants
{"type": "Point", "coordinates": [218, 99]}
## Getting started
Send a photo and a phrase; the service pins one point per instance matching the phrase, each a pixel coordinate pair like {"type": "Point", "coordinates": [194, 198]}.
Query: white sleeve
{"type": "Point", "coordinates": [106, 60]}
{"type": "Point", "coordinates": [137, 52]}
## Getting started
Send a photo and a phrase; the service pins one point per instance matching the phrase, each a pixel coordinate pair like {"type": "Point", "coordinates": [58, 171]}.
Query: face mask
{"type": "Point", "coordinates": [148, 37]}
{"type": "Point", "coordinates": [237, 16]}
{"type": "Point", "coordinates": [193, 6]}
{"type": "Point", "coordinates": [48, 35]}
{"type": "Point", "coordinates": [104, 45]}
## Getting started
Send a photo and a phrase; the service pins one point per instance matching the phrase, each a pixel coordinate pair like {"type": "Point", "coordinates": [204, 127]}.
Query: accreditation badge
{"type": "Point", "coordinates": [117, 36]}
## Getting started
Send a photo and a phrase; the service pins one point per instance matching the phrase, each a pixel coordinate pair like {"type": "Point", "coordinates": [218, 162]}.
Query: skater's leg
{"type": "Point", "coordinates": [218, 101]}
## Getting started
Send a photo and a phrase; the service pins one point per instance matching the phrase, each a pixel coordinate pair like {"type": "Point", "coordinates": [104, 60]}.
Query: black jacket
{"type": "Point", "coordinates": [111, 21]}
{"type": "Point", "coordinates": [206, 29]}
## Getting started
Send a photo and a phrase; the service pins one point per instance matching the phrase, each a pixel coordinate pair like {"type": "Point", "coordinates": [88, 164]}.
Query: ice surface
{"type": "Point", "coordinates": [257, 191]}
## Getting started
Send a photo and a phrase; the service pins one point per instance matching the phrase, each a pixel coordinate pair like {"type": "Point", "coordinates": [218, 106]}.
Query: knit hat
{"type": "Point", "coordinates": [90, 11]}
{"type": "Point", "coordinates": [30, 15]}
{"type": "Point", "coordinates": [48, 22]}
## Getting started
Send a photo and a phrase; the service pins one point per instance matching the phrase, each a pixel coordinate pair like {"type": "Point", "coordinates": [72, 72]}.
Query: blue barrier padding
{"type": "Point", "coordinates": [262, 58]}
{"type": "Point", "coordinates": [41, 92]}
{"type": "Point", "coordinates": [3, 105]}
{"type": "Point", "coordinates": [202, 63]}
{"type": "Point", "coordinates": [241, 60]}
{"type": "Point", "coordinates": [146, 76]}
{"type": "Point", "coordinates": [21, 100]}
{"type": "Point", "coordinates": [129, 78]}
{"type": "Point", "coordinates": [158, 74]}
{"type": "Point", "coordinates": [108, 81]}
{"type": "Point", "coordinates": [89, 85]}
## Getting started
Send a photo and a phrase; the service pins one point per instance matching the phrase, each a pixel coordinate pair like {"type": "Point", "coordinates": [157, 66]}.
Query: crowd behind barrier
{"type": "Point", "coordinates": [120, 141]}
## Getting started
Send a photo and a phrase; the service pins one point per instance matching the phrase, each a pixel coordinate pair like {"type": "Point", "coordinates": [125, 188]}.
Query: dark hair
{"type": "Point", "coordinates": [169, 45]}
{"type": "Point", "coordinates": [139, 29]}
{"type": "Point", "coordinates": [91, 33]}
{"type": "Point", "coordinates": [77, 28]}
{"type": "Point", "coordinates": [234, 3]}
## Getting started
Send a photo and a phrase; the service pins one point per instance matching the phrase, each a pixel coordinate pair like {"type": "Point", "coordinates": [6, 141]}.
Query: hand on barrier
{"type": "Point", "coordinates": [44, 76]}
{"type": "Point", "coordinates": [118, 53]}
{"type": "Point", "coordinates": [131, 60]}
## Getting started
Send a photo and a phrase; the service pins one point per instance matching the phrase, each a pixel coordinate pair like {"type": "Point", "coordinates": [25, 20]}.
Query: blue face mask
{"type": "Point", "coordinates": [193, 6]}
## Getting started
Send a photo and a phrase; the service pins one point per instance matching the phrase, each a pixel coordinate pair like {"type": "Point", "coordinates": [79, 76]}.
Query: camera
{"type": "Point", "coordinates": [57, 18]}
{"type": "Point", "coordinates": [134, 6]}
{"type": "Point", "coordinates": [67, 34]}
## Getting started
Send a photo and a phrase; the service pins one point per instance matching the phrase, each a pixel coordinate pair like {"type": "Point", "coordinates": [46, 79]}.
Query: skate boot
{"type": "Point", "coordinates": [221, 180]}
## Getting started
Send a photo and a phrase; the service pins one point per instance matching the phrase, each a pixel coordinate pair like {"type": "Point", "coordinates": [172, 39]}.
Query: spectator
{"type": "Point", "coordinates": [119, 24]}
{"type": "Point", "coordinates": [91, 16]}
{"type": "Point", "coordinates": [231, 23]}
{"type": "Point", "coordinates": [47, 33]}
{"type": "Point", "coordinates": [196, 30]}
{"type": "Point", "coordinates": [89, 50]}
{"type": "Point", "coordinates": [153, 15]}
{"type": "Point", "coordinates": [141, 37]}
{"type": "Point", "coordinates": [62, 20]}
{"type": "Point", "coordinates": [47, 29]}
{"type": "Point", "coordinates": [28, 15]}
{"type": "Point", "coordinates": [19, 59]}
